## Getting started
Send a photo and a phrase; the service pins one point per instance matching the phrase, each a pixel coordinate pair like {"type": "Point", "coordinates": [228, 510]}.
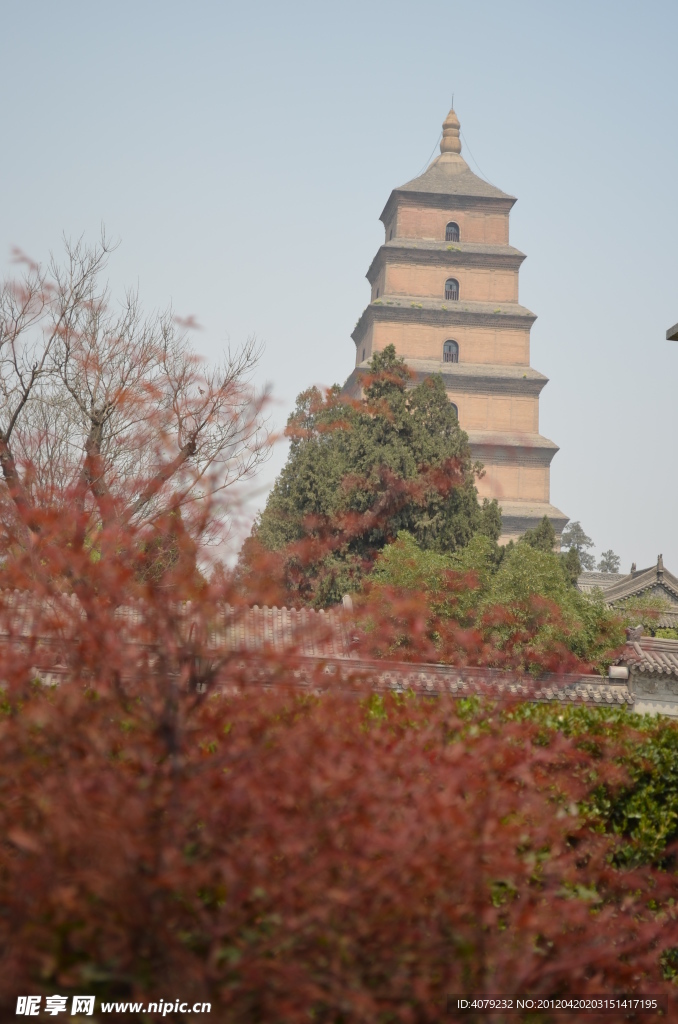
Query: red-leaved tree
{"type": "Point", "coordinates": [170, 829]}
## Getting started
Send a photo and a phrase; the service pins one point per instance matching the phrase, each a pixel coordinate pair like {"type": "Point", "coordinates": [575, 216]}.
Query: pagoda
{"type": "Point", "coordinates": [445, 294]}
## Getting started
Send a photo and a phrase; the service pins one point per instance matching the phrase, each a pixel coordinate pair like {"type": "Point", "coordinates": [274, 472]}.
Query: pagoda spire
{"type": "Point", "coordinates": [450, 142]}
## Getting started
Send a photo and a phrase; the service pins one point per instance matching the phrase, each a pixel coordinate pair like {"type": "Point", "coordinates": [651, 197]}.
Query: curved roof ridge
{"type": "Point", "coordinates": [642, 580]}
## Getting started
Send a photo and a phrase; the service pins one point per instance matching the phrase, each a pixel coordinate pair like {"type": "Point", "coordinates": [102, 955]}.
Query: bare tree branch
{"type": "Point", "coordinates": [112, 409]}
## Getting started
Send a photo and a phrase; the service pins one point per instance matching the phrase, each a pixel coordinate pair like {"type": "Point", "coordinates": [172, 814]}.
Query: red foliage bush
{"type": "Point", "coordinates": [170, 830]}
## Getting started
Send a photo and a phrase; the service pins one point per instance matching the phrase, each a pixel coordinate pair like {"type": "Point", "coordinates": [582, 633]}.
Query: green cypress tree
{"type": "Point", "coordinates": [358, 472]}
{"type": "Point", "coordinates": [571, 565]}
{"type": "Point", "coordinates": [542, 537]}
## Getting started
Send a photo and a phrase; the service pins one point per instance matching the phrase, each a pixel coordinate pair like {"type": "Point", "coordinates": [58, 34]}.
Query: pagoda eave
{"type": "Point", "coordinates": [466, 378]}
{"type": "Point", "coordinates": [481, 378]}
{"type": "Point", "coordinates": [443, 201]}
{"type": "Point", "coordinates": [451, 256]}
{"type": "Point", "coordinates": [519, 516]}
{"type": "Point", "coordinates": [410, 311]}
{"type": "Point", "coordinates": [511, 448]}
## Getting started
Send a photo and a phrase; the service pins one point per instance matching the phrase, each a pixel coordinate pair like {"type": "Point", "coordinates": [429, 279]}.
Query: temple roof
{"type": "Point", "coordinates": [651, 656]}
{"type": "Point", "coordinates": [589, 581]}
{"type": "Point", "coordinates": [618, 585]}
{"type": "Point", "coordinates": [643, 580]}
{"type": "Point", "coordinates": [449, 174]}
{"type": "Point", "coordinates": [310, 633]}
{"type": "Point", "coordinates": [656, 581]}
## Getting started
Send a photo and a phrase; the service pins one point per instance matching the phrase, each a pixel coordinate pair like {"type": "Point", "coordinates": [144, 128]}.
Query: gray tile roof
{"type": "Point", "coordinates": [653, 582]}
{"type": "Point", "coordinates": [587, 690]}
{"type": "Point", "coordinates": [432, 680]}
{"type": "Point", "coordinates": [305, 631]}
{"type": "Point", "coordinates": [316, 634]}
{"type": "Point", "coordinates": [617, 586]}
{"type": "Point", "coordinates": [452, 176]}
{"type": "Point", "coordinates": [651, 656]}
{"type": "Point", "coordinates": [656, 577]}
{"type": "Point", "coordinates": [323, 643]}
{"type": "Point", "coordinates": [499, 685]}
{"type": "Point", "coordinates": [589, 581]}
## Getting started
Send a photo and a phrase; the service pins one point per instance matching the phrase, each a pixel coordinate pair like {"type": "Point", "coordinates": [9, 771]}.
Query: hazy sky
{"type": "Point", "coordinates": [243, 153]}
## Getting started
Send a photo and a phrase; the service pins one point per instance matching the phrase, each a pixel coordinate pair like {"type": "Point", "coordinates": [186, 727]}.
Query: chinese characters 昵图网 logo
{"type": "Point", "coordinates": [29, 1006]}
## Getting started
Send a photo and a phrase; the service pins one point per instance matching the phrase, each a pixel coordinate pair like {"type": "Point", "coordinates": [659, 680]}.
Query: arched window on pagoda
{"type": "Point", "coordinates": [452, 232]}
{"type": "Point", "coordinates": [456, 411]}
{"type": "Point", "coordinates": [452, 289]}
{"type": "Point", "coordinates": [450, 352]}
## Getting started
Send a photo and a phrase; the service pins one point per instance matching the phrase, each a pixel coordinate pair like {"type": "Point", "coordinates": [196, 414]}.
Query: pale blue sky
{"type": "Point", "coordinates": [243, 153]}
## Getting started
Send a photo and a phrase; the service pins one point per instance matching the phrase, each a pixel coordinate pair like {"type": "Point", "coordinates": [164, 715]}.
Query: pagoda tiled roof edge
{"type": "Point", "coordinates": [443, 201]}
{"type": "Point", "coordinates": [502, 371]}
{"type": "Point", "coordinates": [418, 309]}
{"type": "Point", "coordinates": [440, 245]}
{"type": "Point", "coordinates": [452, 177]}
{"type": "Point", "coordinates": [441, 254]}
{"type": "Point", "coordinates": [511, 509]}
{"type": "Point", "coordinates": [491, 438]}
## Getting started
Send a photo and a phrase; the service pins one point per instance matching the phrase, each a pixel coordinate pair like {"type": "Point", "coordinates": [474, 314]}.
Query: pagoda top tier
{"type": "Point", "coordinates": [449, 174]}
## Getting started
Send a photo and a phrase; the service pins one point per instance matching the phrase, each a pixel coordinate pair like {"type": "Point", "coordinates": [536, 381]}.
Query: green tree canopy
{"type": "Point", "coordinates": [542, 537]}
{"type": "Point", "coordinates": [517, 597]}
{"type": "Point", "coordinates": [575, 539]}
{"type": "Point", "coordinates": [642, 810]}
{"type": "Point", "coordinates": [609, 562]}
{"type": "Point", "coordinates": [572, 566]}
{"type": "Point", "coordinates": [360, 471]}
